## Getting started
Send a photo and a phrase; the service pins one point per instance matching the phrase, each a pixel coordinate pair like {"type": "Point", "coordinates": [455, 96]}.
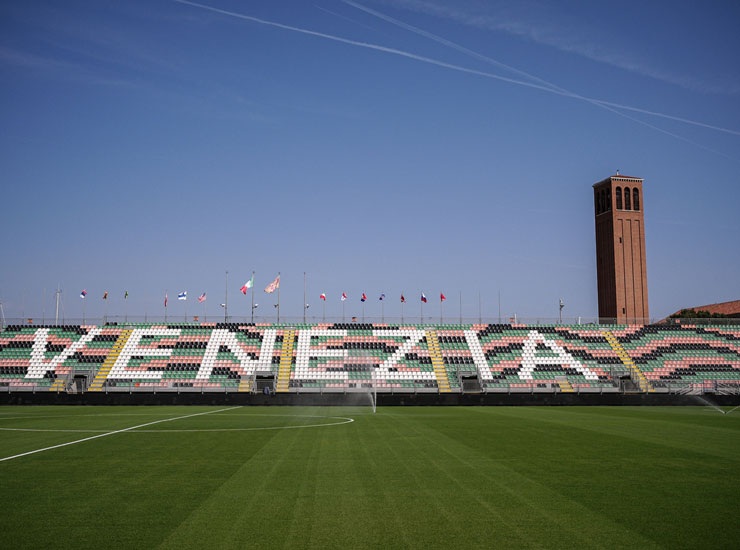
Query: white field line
{"type": "Point", "coordinates": [340, 420]}
{"type": "Point", "coordinates": [113, 433]}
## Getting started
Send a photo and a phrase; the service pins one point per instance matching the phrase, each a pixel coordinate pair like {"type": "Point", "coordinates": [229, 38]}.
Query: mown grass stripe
{"type": "Point", "coordinates": [75, 442]}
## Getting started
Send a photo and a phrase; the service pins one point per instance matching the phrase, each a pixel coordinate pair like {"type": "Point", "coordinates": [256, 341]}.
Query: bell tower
{"type": "Point", "coordinates": [621, 269]}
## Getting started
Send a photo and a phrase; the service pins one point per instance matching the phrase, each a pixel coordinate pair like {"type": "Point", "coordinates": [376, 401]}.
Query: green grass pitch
{"type": "Point", "coordinates": [331, 477]}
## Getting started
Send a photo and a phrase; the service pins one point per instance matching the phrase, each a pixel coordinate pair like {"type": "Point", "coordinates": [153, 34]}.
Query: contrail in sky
{"type": "Point", "coordinates": [443, 64]}
{"type": "Point", "coordinates": [611, 107]}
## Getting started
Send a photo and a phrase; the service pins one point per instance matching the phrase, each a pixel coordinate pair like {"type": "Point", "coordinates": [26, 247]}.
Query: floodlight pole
{"type": "Point", "coordinates": [58, 296]}
{"type": "Point", "coordinates": [562, 305]}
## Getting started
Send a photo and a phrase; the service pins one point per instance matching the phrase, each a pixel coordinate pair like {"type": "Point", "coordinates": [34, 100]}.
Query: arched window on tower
{"type": "Point", "coordinates": [627, 197]}
{"type": "Point", "coordinates": [608, 195]}
{"type": "Point", "coordinates": [619, 198]}
{"type": "Point", "coordinates": [635, 199]}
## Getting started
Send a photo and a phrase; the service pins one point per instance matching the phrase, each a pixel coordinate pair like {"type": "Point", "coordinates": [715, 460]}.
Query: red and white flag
{"type": "Point", "coordinates": [364, 297]}
{"type": "Point", "coordinates": [423, 298]}
{"type": "Point", "coordinates": [344, 296]}
{"type": "Point", "coordinates": [322, 296]}
{"type": "Point", "coordinates": [273, 286]}
{"type": "Point", "coordinates": [442, 297]}
{"type": "Point", "coordinates": [202, 298]}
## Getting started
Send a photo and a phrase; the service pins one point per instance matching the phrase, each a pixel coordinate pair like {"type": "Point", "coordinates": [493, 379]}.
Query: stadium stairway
{"type": "Point", "coordinates": [59, 384]}
{"type": "Point", "coordinates": [245, 384]}
{"type": "Point", "coordinates": [636, 374]}
{"type": "Point", "coordinates": [107, 365]}
{"type": "Point", "coordinates": [435, 354]}
{"type": "Point", "coordinates": [286, 362]}
{"type": "Point", "coordinates": [566, 387]}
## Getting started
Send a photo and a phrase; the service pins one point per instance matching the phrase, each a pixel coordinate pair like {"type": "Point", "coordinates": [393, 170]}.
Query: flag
{"type": "Point", "coordinates": [165, 299]}
{"type": "Point", "coordinates": [249, 284]}
{"type": "Point", "coordinates": [83, 294]}
{"type": "Point", "coordinates": [273, 286]}
{"type": "Point", "coordinates": [442, 297]}
{"type": "Point", "coordinates": [125, 296]}
{"type": "Point", "coordinates": [344, 296]}
{"type": "Point", "coordinates": [105, 295]}
{"type": "Point", "coordinates": [322, 296]}
{"type": "Point", "coordinates": [202, 298]}
{"type": "Point", "coordinates": [382, 297]}
{"type": "Point", "coordinates": [403, 300]}
{"type": "Point", "coordinates": [363, 297]}
{"type": "Point", "coordinates": [423, 298]}
{"type": "Point", "coordinates": [183, 295]}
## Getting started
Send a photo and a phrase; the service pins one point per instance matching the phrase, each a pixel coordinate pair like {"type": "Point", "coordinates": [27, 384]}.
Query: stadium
{"type": "Point", "coordinates": [473, 361]}
{"type": "Point", "coordinates": [617, 360]}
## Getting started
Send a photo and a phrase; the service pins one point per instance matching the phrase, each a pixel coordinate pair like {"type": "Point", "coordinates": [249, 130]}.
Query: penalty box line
{"type": "Point", "coordinates": [114, 432]}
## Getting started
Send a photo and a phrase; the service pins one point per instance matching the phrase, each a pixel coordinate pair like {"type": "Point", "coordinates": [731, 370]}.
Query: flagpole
{"type": "Point", "coordinates": [499, 306]}
{"type": "Point", "coordinates": [226, 298]}
{"type": "Point", "coordinates": [304, 297]}
{"type": "Point", "coordinates": [165, 306]}
{"type": "Point", "coordinates": [56, 316]}
{"type": "Point", "coordinates": [252, 312]}
{"type": "Point", "coordinates": [278, 308]}
{"type": "Point", "coordinates": [382, 311]}
{"type": "Point", "coordinates": [480, 311]}
{"type": "Point", "coordinates": [402, 301]}
{"type": "Point", "coordinates": [460, 307]}
{"type": "Point", "coordinates": [440, 308]}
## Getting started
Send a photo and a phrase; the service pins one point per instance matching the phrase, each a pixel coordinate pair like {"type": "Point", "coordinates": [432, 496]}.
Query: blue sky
{"type": "Point", "coordinates": [383, 146]}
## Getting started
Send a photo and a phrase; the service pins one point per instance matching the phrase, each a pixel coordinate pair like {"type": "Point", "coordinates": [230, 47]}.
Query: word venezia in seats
{"type": "Point", "coordinates": [147, 351]}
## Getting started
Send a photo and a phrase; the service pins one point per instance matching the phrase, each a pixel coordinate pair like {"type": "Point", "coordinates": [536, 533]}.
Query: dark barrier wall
{"type": "Point", "coordinates": [384, 400]}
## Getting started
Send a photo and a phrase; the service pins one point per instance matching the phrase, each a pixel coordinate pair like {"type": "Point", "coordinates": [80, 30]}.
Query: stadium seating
{"type": "Point", "coordinates": [33, 358]}
{"type": "Point", "coordinates": [548, 358]}
{"type": "Point", "coordinates": [357, 357]}
{"type": "Point", "coordinates": [684, 356]}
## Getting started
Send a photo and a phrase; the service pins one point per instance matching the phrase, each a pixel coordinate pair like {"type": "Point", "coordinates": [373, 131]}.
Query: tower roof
{"type": "Point", "coordinates": [617, 177]}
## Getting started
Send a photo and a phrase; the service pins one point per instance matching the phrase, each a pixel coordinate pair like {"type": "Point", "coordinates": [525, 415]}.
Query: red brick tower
{"type": "Point", "coordinates": [621, 270]}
